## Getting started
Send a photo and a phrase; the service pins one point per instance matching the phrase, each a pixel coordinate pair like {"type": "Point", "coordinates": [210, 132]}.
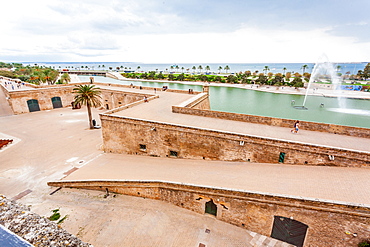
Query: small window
{"type": "Point", "coordinates": [173, 153]}
{"type": "Point", "coordinates": [142, 147]}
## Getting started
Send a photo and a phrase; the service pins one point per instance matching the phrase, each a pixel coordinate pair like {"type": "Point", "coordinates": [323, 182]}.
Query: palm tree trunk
{"type": "Point", "coordinates": [90, 116]}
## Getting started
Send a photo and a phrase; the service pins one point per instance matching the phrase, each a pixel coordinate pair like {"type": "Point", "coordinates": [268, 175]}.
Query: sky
{"type": "Point", "coordinates": [191, 31]}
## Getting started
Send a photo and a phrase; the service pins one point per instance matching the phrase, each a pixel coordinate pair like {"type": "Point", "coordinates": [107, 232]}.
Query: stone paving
{"type": "Point", "coordinates": [52, 143]}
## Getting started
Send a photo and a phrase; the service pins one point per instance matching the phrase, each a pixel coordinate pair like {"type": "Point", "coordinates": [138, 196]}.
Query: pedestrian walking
{"type": "Point", "coordinates": [296, 127]}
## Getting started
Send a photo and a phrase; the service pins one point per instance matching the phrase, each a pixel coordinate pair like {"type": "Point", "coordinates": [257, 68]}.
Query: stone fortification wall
{"type": "Point", "coordinates": [288, 123]}
{"type": "Point", "coordinates": [36, 230]}
{"type": "Point", "coordinates": [133, 136]}
{"type": "Point", "coordinates": [110, 98]}
{"type": "Point", "coordinates": [329, 223]}
{"type": "Point", "coordinates": [18, 99]}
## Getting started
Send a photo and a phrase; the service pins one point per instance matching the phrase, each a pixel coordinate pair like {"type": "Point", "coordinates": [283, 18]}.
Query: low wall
{"type": "Point", "coordinates": [130, 136]}
{"type": "Point", "coordinates": [200, 101]}
{"type": "Point", "coordinates": [281, 122]}
{"type": "Point", "coordinates": [328, 222]}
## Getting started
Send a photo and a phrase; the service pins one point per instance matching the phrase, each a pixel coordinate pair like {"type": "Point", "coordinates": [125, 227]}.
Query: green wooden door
{"type": "Point", "coordinates": [289, 230]}
{"type": "Point", "coordinates": [57, 102]}
{"type": "Point", "coordinates": [33, 105]}
{"type": "Point", "coordinates": [211, 208]}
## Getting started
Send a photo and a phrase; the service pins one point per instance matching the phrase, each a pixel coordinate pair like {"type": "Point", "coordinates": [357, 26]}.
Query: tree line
{"type": "Point", "coordinates": [279, 79]}
{"type": "Point", "coordinates": [33, 74]}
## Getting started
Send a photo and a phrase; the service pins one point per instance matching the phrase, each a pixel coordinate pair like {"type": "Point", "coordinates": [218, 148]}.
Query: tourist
{"type": "Point", "coordinates": [296, 127]}
{"type": "Point", "coordinates": [146, 99]}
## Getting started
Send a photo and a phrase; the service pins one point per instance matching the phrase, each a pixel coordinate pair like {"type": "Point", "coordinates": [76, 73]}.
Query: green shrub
{"type": "Point", "coordinates": [364, 243]}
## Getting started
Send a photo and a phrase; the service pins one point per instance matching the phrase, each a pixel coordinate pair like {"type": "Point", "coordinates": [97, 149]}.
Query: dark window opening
{"type": "Point", "coordinates": [107, 106]}
{"type": "Point", "coordinates": [143, 147]}
{"type": "Point", "coordinates": [173, 153]}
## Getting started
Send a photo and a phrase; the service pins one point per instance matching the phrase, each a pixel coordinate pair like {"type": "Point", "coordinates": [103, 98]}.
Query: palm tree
{"type": "Point", "coordinates": [208, 68]}
{"type": "Point", "coordinates": [266, 69]}
{"type": "Point", "coordinates": [304, 67]}
{"type": "Point", "coordinates": [90, 96]}
{"type": "Point", "coordinates": [227, 68]}
{"type": "Point", "coordinates": [200, 68]}
{"type": "Point", "coordinates": [65, 78]}
{"type": "Point", "coordinates": [194, 68]}
{"type": "Point", "coordinates": [219, 69]}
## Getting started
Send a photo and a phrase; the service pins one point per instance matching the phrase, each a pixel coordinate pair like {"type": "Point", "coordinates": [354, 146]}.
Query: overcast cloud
{"type": "Point", "coordinates": [172, 31]}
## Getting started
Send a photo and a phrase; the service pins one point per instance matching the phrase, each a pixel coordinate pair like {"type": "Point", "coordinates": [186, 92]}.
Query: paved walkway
{"type": "Point", "coordinates": [341, 184]}
{"type": "Point", "coordinates": [51, 143]}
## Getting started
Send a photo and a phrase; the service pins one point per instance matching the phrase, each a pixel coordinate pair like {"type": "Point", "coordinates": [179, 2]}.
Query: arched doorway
{"type": "Point", "coordinates": [33, 105]}
{"type": "Point", "coordinates": [289, 230]}
{"type": "Point", "coordinates": [57, 102]}
{"type": "Point", "coordinates": [211, 208]}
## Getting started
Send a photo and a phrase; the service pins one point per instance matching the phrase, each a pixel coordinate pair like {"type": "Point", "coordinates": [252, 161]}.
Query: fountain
{"type": "Point", "coordinates": [324, 72]}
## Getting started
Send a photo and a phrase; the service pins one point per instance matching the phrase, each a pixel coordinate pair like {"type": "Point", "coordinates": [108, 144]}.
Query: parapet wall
{"type": "Point", "coordinates": [281, 122]}
{"type": "Point", "coordinates": [328, 222]}
{"type": "Point", "coordinates": [143, 137]}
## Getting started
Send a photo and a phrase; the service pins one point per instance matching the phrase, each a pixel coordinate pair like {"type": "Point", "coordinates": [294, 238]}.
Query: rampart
{"type": "Point", "coordinates": [329, 223]}
{"type": "Point", "coordinates": [134, 136]}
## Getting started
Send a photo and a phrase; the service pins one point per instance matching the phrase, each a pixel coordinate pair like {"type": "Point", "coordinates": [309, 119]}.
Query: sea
{"type": "Point", "coordinates": [344, 68]}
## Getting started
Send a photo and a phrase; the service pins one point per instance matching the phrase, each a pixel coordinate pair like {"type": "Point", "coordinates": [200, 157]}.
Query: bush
{"type": "Point", "coordinates": [364, 243]}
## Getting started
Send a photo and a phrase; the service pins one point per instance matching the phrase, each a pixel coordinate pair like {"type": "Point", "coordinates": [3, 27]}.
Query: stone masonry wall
{"type": "Point", "coordinates": [131, 136]}
{"type": "Point", "coordinates": [110, 98]}
{"type": "Point", "coordinates": [329, 223]}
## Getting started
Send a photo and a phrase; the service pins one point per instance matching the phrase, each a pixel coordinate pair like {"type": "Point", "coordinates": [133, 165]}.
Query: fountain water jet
{"type": "Point", "coordinates": [324, 71]}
